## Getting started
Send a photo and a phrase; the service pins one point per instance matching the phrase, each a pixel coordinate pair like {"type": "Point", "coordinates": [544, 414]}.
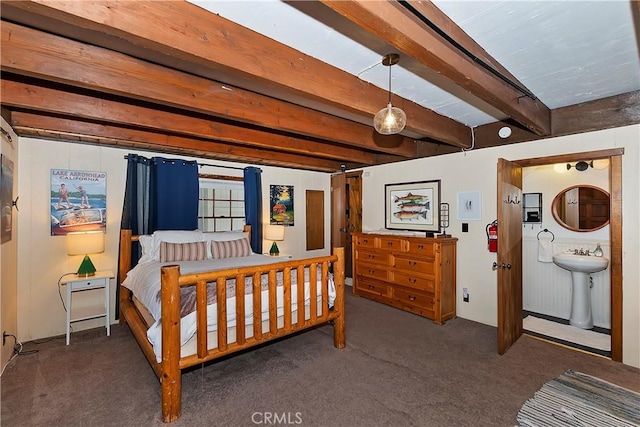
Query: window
{"type": "Point", "coordinates": [221, 204]}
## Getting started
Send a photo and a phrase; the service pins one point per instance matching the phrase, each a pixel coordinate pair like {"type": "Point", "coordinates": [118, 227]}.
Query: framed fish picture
{"type": "Point", "coordinates": [413, 206]}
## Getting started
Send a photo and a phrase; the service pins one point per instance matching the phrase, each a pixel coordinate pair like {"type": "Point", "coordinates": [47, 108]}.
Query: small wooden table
{"type": "Point", "coordinates": [77, 283]}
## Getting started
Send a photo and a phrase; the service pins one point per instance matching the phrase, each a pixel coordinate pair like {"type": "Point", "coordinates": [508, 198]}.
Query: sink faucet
{"type": "Point", "coordinates": [582, 251]}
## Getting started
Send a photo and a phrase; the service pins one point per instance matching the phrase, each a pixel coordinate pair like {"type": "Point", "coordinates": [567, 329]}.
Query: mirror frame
{"type": "Point", "coordinates": [556, 215]}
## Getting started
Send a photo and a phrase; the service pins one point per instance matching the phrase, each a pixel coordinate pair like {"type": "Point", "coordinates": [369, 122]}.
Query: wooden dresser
{"type": "Point", "coordinates": [415, 274]}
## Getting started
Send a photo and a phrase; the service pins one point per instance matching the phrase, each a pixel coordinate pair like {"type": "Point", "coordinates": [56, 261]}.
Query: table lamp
{"type": "Point", "coordinates": [275, 233]}
{"type": "Point", "coordinates": [85, 243]}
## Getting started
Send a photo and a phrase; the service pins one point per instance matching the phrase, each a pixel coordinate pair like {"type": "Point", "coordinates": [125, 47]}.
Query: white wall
{"type": "Point", "coordinates": [42, 258]}
{"type": "Point", "coordinates": [477, 171]}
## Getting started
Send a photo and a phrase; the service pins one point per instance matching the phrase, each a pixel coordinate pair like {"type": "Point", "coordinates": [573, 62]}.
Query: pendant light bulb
{"type": "Point", "coordinates": [390, 120]}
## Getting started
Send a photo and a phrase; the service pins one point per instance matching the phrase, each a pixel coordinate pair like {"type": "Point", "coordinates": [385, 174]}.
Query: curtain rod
{"type": "Point", "coordinates": [205, 164]}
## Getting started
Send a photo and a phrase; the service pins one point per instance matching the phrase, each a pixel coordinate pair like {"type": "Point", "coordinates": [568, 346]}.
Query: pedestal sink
{"type": "Point", "coordinates": [580, 267]}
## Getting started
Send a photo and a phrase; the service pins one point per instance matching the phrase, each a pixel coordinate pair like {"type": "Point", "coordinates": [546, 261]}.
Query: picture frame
{"type": "Point", "coordinates": [78, 201]}
{"type": "Point", "coordinates": [6, 198]}
{"type": "Point", "coordinates": [413, 206]}
{"type": "Point", "coordinates": [281, 206]}
{"type": "Point", "coordinates": [469, 206]}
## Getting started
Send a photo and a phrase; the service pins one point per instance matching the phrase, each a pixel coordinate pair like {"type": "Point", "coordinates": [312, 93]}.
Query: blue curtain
{"type": "Point", "coordinates": [174, 194]}
{"type": "Point", "coordinates": [160, 194]}
{"type": "Point", "coordinates": [253, 205]}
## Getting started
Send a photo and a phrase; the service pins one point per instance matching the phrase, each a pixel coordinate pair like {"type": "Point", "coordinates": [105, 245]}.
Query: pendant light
{"type": "Point", "coordinates": [390, 119]}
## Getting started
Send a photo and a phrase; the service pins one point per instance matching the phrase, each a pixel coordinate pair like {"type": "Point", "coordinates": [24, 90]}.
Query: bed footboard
{"type": "Point", "coordinates": [172, 362]}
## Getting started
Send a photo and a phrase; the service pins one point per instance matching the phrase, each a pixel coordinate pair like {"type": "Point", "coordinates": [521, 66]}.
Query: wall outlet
{"type": "Point", "coordinates": [465, 295]}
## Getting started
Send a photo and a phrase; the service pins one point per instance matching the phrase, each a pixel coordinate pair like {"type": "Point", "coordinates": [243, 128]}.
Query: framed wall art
{"type": "Point", "coordinates": [281, 205]}
{"type": "Point", "coordinates": [469, 206]}
{"type": "Point", "coordinates": [6, 198]}
{"type": "Point", "coordinates": [78, 201]}
{"type": "Point", "coordinates": [413, 206]}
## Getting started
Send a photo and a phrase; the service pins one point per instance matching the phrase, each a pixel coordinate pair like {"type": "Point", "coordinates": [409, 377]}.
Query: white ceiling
{"type": "Point", "coordinates": [565, 52]}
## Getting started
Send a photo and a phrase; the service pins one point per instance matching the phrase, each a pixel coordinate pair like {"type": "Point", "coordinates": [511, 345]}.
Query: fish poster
{"type": "Point", "coordinates": [413, 206]}
{"type": "Point", "coordinates": [78, 201]}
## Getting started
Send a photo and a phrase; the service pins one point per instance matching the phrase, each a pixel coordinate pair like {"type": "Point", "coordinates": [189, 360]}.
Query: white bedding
{"type": "Point", "coordinates": [144, 281]}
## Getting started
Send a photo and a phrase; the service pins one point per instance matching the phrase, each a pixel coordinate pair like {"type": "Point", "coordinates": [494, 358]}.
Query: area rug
{"type": "Point", "coordinates": [567, 333]}
{"type": "Point", "coordinates": [576, 399]}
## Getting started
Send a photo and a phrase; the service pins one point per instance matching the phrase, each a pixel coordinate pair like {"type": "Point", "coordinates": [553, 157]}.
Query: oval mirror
{"type": "Point", "coordinates": [581, 208]}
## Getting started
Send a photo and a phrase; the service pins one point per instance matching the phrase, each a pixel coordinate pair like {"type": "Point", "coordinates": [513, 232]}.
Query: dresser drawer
{"type": "Point", "coordinates": [414, 298]}
{"type": "Point", "coordinates": [373, 288]}
{"type": "Point", "coordinates": [421, 249]}
{"type": "Point", "coordinates": [372, 271]}
{"type": "Point", "coordinates": [413, 281]}
{"type": "Point", "coordinates": [417, 266]}
{"type": "Point", "coordinates": [371, 257]}
{"type": "Point", "coordinates": [391, 244]}
{"type": "Point", "coordinates": [366, 241]}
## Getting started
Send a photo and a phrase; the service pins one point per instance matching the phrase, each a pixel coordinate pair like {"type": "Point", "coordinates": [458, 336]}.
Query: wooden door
{"type": "Point", "coordinates": [509, 261]}
{"type": "Point", "coordinates": [339, 235]}
{"type": "Point", "coordinates": [354, 215]}
{"type": "Point", "coordinates": [346, 212]}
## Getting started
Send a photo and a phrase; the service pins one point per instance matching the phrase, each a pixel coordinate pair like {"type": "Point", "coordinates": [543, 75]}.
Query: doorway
{"type": "Point", "coordinates": [510, 314]}
{"type": "Point", "coordinates": [346, 212]}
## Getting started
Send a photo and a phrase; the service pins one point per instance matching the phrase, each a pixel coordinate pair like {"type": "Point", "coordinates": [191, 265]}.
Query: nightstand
{"type": "Point", "coordinates": [76, 283]}
{"type": "Point", "coordinates": [280, 255]}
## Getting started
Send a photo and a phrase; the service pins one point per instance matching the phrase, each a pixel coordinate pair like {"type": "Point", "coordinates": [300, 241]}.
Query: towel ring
{"type": "Point", "coordinates": [553, 237]}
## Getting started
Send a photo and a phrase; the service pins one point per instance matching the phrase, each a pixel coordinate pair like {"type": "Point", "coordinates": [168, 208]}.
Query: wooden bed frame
{"type": "Point", "coordinates": [169, 370]}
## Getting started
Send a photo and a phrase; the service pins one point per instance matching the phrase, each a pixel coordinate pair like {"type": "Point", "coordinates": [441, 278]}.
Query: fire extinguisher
{"type": "Point", "coordinates": [492, 236]}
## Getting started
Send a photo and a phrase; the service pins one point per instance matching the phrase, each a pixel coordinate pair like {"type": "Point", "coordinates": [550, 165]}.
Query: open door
{"type": "Point", "coordinates": [339, 235]}
{"type": "Point", "coordinates": [346, 212]}
{"type": "Point", "coordinates": [509, 263]}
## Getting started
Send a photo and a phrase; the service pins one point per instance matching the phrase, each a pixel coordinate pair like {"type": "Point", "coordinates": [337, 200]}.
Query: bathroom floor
{"type": "Point", "coordinates": [597, 340]}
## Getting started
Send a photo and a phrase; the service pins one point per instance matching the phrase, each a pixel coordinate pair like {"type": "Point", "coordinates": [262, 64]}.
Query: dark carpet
{"type": "Point", "coordinates": [398, 369]}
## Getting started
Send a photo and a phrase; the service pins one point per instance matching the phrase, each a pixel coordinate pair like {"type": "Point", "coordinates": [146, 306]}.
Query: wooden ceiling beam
{"type": "Point", "coordinates": [39, 98]}
{"type": "Point", "coordinates": [33, 53]}
{"type": "Point", "coordinates": [394, 24]}
{"type": "Point", "coordinates": [38, 124]}
{"type": "Point", "coordinates": [614, 111]}
{"type": "Point", "coordinates": [215, 47]}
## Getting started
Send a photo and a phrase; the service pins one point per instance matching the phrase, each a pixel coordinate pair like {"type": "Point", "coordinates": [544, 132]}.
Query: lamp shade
{"type": "Point", "coordinates": [274, 232]}
{"type": "Point", "coordinates": [390, 120]}
{"type": "Point", "coordinates": [85, 242]}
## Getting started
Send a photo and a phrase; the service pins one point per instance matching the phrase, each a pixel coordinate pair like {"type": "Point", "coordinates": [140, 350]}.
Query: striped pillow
{"type": "Point", "coordinates": [230, 248]}
{"type": "Point", "coordinates": [194, 251]}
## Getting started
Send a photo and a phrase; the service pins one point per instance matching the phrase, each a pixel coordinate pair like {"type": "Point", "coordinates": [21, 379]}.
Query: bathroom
{"type": "Point", "coordinates": [547, 288]}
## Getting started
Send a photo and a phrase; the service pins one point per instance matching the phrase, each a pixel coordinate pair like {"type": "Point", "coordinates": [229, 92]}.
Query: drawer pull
{"type": "Point", "coordinates": [389, 243]}
{"type": "Point", "coordinates": [413, 263]}
{"type": "Point", "coordinates": [412, 298]}
{"type": "Point", "coordinates": [412, 280]}
{"type": "Point", "coordinates": [420, 246]}
{"type": "Point", "coordinates": [371, 286]}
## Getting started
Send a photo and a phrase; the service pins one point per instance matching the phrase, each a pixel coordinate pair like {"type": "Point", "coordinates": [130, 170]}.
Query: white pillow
{"type": "Point", "coordinates": [146, 243]}
{"type": "Point", "coordinates": [151, 244]}
{"type": "Point", "coordinates": [222, 236]}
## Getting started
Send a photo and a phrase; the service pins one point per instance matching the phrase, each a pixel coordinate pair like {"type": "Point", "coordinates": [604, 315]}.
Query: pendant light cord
{"type": "Point", "coordinates": [390, 65]}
